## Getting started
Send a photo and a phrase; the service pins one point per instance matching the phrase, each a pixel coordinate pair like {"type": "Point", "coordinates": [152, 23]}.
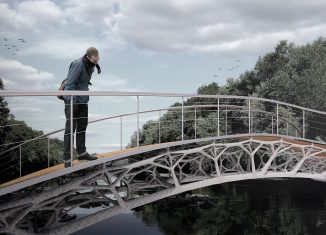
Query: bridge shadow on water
{"type": "Point", "coordinates": [279, 206]}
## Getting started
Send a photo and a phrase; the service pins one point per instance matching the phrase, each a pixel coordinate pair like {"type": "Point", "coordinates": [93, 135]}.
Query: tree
{"type": "Point", "coordinates": [34, 154]}
{"type": "Point", "coordinates": [301, 79]}
{"type": "Point", "coordinates": [290, 73]}
{"type": "Point", "coordinates": [4, 118]}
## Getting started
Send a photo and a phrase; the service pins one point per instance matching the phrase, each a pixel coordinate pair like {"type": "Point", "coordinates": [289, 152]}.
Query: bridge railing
{"type": "Point", "coordinates": [183, 117]}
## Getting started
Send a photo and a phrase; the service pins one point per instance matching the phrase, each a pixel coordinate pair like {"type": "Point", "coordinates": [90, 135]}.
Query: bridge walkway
{"type": "Point", "coordinates": [60, 167]}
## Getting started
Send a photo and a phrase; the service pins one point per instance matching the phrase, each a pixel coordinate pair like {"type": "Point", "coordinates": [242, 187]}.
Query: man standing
{"type": "Point", "coordinates": [79, 76]}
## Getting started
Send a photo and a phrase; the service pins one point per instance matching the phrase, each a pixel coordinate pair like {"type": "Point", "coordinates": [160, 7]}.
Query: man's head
{"type": "Point", "coordinates": [92, 55]}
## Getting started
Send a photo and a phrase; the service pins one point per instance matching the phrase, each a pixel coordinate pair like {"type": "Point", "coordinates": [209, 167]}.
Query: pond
{"type": "Point", "coordinates": [279, 206]}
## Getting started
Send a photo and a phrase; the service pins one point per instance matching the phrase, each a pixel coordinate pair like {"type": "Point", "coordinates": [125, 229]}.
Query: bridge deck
{"type": "Point", "coordinates": [57, 168]}
{"type": "Point", "coordinates": [110, 154]}
{"type": "Point", "coordinates": [293, 141]}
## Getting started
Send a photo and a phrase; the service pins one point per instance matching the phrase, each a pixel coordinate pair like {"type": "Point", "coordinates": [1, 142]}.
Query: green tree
{"type": "Point", "coordinates": [302, 78]}
{"type": "Point", "coordinates": [14, 137]}
{"type": "Point", "coordinates": [290, 73]}
{"type": "Point", "coordinates": [4, 118]}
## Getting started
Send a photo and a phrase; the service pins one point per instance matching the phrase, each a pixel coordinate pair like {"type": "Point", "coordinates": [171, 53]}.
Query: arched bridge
{"type": "Point", "coordinates": [274, 140]}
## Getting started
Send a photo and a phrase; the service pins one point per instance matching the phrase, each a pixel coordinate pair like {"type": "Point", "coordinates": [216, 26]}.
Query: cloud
{"type": "Point", "coordinates": [60, 29]}
{"type": "Point", "coordinates": [30, 15]}
{"type": "Point", "coordinates": [36, 103]}
{"type": "Point", "coordinates": [226, 26]}
{"type": "Point", "coordinates": [109, 82]}
{"type": "Point", "coordinates": [11, 19]}
{"type": "Point", "coordinates": [62, 48]}
{"type": "Point", "coordinates": [18, 76]}
{"type": "Point", "coordinates": [40, 110]}
{"type": "Point", "coordinates": [99, 18]}
{"type": "Point", "coordinates": [94, 14]}
{"type": "Point", "coordinates": [27, 111]}
{"type": "Point", "coordinates": [112, 82]}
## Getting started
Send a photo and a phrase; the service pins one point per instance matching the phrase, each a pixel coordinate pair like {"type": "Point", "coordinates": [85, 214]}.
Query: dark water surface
{"type": "Point", "coordinates": [293, 206]}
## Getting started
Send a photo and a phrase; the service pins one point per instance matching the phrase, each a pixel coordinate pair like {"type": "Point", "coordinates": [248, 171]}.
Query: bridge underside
{"type": "Point", "coordinates": [112, 187]}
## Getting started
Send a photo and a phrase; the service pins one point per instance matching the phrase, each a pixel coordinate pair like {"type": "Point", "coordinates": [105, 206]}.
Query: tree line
{"type": "Point", "coordinates": [294, 74]}
{"type": "Point", "coordinates": [34, 154]}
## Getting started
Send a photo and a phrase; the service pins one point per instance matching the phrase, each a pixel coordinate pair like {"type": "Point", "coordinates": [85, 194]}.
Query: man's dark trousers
{"type": "Point", "coordinates": [80, 121]}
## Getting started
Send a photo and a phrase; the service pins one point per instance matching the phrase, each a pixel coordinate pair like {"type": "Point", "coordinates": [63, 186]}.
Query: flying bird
{"type": "Point", "coordinates": [215, 76]}
{"type": "Point", "coordinates": [22, 40]}
{"type": "Point", "coordinates": [6, 39]}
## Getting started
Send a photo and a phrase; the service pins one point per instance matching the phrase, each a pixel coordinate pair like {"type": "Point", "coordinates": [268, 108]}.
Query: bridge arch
{"type": "Point", "coordinates": [135, 179]}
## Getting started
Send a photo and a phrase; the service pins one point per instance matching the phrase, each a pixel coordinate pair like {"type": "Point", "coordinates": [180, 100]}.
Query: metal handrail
{"type": "Point", "coordinates": [5, 93]}
{"type": "Point", "coordinates": [245, 100]}
{"type": "Point", "coordinates": [147, 111]}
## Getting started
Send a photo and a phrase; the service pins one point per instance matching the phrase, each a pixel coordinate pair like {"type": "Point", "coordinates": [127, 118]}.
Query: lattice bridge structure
{"type": "Point", "coordinates": [275, 140]}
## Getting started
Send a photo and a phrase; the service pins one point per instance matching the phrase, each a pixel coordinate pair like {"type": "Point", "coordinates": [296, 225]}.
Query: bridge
{"type": "Point", "coordinates": [245, 138]}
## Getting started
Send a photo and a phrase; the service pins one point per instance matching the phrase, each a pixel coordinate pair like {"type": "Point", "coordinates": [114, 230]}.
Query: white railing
{"type": "Point", "coordinates": [240, 107]}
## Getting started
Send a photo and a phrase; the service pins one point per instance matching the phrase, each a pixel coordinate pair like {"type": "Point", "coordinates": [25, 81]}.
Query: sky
{"type": "Point", "coordinates": [145, 45]}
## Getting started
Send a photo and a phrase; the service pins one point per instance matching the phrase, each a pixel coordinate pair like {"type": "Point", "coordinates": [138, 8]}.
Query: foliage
{"type": "Point", "coordinates": [4, 116]}
{"type": "Point", "coordinates": [302, 78]}
{"type": "Point", "coordinates": [34, 154]}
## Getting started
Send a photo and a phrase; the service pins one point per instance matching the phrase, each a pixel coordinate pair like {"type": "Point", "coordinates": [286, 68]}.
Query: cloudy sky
{"type": "Point", "coordinates": [146, 45]}
{"type": "Point", "coordinates": [143, 42]}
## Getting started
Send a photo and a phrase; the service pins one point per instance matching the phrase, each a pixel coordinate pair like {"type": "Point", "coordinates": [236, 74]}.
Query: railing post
{"type": "Point", "coordinates": [159, 126]}
{"type": "Point", "coordinates": [277, 119]}
{"type": "Point", "coordinates": [226, 121]}
{"type": "Point", "coordinates": [20, 161]}
{"type": "Point", "coordinates": [182, 120]}
{"type": "Point", "coordinates": [287, 128]}
{"type": "Point", "coordinates": [249, 115]}
{"type": "Point", "coordinates": [48, 152]}
{"type": "Point", "coordinates": [303, 124]}
{"type": "Point", "coordinates": [71, 130]}
{"type": "Point", "coordinates": [272, 124]}
{"type": "Point", "coordinates": [120, 132]}
{"type": "Point", "coordinates": [137, 120]}
{"type": "Point", "coordinates": [195, 123]}
{"type": "Point", "coordinates": [218, 117]}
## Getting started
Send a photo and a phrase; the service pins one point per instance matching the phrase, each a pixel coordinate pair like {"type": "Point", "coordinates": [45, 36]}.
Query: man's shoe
{"type": "Point", "coordinates": [67, 218]}
{"type": "Point", "coordinates": [86, 156]}
{"type": "Point", "coordinates": [67, 164]}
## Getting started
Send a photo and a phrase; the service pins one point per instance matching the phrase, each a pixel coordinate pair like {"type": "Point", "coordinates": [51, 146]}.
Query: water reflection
{"type": "Point", "coordinates": [248, 207]}
{"type": "Point", "coordinates": [123, 224]}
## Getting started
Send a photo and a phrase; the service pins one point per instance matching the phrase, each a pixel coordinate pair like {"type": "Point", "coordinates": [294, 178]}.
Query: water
{"type": "Point", "coordinates": [122, 224]}
{"type": "Point", "coordinates": [293, 206]}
